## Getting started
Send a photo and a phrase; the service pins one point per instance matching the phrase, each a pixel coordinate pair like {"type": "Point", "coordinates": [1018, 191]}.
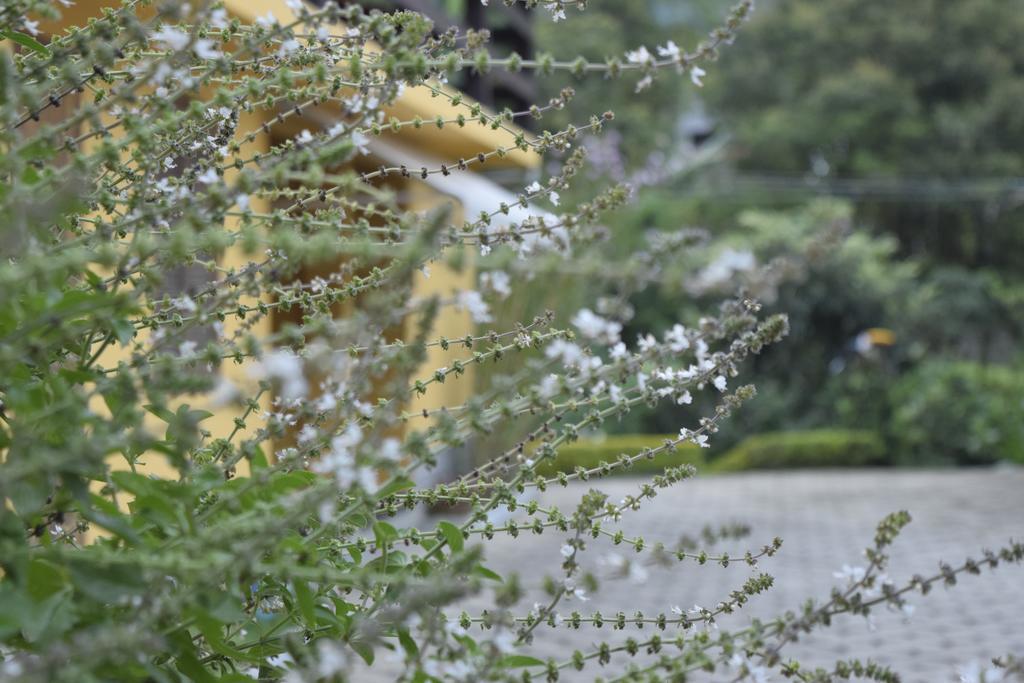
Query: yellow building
{"type": "Point", "coordinates": [469, 194]}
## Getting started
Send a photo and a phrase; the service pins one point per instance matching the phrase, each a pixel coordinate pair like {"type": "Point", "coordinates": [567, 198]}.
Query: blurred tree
{"type": "Point", "coordinates": [909, 90]}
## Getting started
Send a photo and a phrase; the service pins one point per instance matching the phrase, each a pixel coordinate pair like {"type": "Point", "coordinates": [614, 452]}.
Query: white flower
{"type": "Point", "coordinates": [548, 386]}
{"type": "Point", "coordinates": [224, 392]}
{"type": "Point", "coordinates": [453, 628]}
{"type": "Point", "coordinates": [684, 399]}
{"type": "Point", "coordinates": [677, 610]}
{"type": "Point", "coordinates": [646, 342]}
{"type": "Point", "coordinates": [747, 670]}
{"type": "Point", "coordinates": [361, 142]}
{"type": "Point", "coordinates": [644, 83]}
{"type": "Point", "coordinates": [294, 5]}
{"type": "Point", "coordinates": [554, 197]}
{"type": "Point", "coordinates": [504, 642]}
{"type": "Point", "coordinates": [533, 188]}
{"type": "Point", "coordinates": [580, 595]}
{"type": "Point", "coordinates": [595, 327]}
{"type": "Point", "coordinates": [474, 303]}
{"type": "Point", "coordinates": [267, 20]}
{"type": "Point", "coordinates": [567, 550]}
{"type": "Point", "coordinates": [619, 351]}
{"type": "Point", "coordinates": [209, 176]}
{"type": "Point", "coordinates": [31, 26]}
{"type": "Point", "coordinates": [697, 73]}
{"type": "Point", "coordinates": [671, 50]}
{"type": "Point", "coordinates": [484, 2]}
{"type": "Point", "coordinates": [242, 200]}
{"type": "Point", "coordinates": [850, 574]}
{"type": "Point", "coordinates": [719, 382]}
{"type": "Point", "coordinates": [698, 439]}
{"type": "Point", "coordinates": [497, 281]}
{"type": "Point", "coordinates": [331, 659]}
{"type": "Point", "coordinates": [287, 47]}
{"type": "Point", "coordinates": [972, 672]}
{"type": "Point", "coordinates": [676, 339]}
{"type": "Point", "coordinates": [285, 368]}
{"type": "Point", "coordinates": [567, 352]}
{"type": "Point", "coordinates": [219, 19]}
{"type": "Point", "coordinates": [174, 38]}
{"type": "Point", "coordinates": [391, 450]}
{"type": "Point", "coordinates": [637, 574]}
{"type": "Point", "coordinates": [204, 49]}
{"type": "Point", "coordinates": [557, 9]}
{"type": "Point", "coordinates": [639, 56]}
{"type": "Point", "coordinates": [307, 434]}
{"type": "Point", "coordinates": [305, 136]}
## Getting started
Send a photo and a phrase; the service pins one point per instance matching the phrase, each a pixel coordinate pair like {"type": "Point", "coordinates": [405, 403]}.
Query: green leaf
{"type": "Point", "coordinates": [307, 604]}
{"type": "Point", "coordinates": [517, 661]}
{"type": "Point", "coordinates": [394, 486]}
{"type": "Point", "coordinates": [483, 571]}
{"type": "Point", "coordinates": [452, 534]}
{"type": "Point", "coordinates": [384, 533]}
{"type": "Point", "coordinates": [364, 650]}
{"type": "Point", "coordinates": [45, 579]}
{"type": "Point", "coordinates": [408, 644]}
{"type": "Point", "coordinates": [26, 40]}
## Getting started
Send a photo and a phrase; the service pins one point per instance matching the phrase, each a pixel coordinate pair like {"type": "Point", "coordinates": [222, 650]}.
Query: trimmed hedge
{"type": "Point", "coordinates": [813, 448]}
{"type": "Point", "coordinates": [590, 453]}
{"type": "Point", "coordinates": [959, 412]}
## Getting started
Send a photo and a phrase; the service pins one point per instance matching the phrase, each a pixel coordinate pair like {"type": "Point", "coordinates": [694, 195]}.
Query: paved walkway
{"type": "Point", "coordinates": [825, 518]}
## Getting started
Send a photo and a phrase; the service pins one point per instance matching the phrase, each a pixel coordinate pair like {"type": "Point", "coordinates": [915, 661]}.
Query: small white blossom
{"type": "Point", "coordinates": [173, 38]}
{"type": "Point", "coordinates": [204, 49]}
{"type": "Point", "coordinates": [851, 574]}
{"type": "Point", "coordinates": [361, 142]}
{"type": "Point", "coordinates": [331, 658]}
{"type": "Point", "coordinates": [285, 368]}
{"type": "Point", "coordinates": [391, 450]}
{"type": "Point", "coordinates": [288, 47]}
{"type": "Point", "coordinates": [471, 301]}
{"type": "Point", "coordinates": [697, 73]}
{"type": "Point", "coordinates": [595, 327]}
{"type": "Point", "coordinates": [209, 176]}
{"type": "Point", "coordinates": [719, 382]}
{"type": "Point", "coordinates": [639, 56]}
{"type": "Point", "coordinates": [973, 672]}
{"type": "Point", "coordinates": [31, 26]}
{"type": "Point", "coordinates": [548, 387]}
{"type": "Point", "coordinates": [496, 281]}
{"type": "Point", "coordinates": [671, 50]}
{"type": "Point", "coordinates": [676, 339]}
{"type": "Point", "coordinates": [267, 20]}
{"type": "Point", "coordinates": [567, 550]}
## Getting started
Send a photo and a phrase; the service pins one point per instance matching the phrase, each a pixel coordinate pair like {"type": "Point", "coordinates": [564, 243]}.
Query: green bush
{"type": "Point", "coordinates": [591, 453]}
{"type": "Point", "coordinates": [959, 412]}
{"type": "Point", "coordinates": [814, 448]}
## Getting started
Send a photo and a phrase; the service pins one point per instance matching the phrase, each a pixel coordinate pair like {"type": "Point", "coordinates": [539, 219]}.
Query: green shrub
{"type": "Point", "coordinates": [814, 448]}
{"type": "Point", "coordinates": [591, 453]}
{"type": "Point", "coordinates": [964, 413]}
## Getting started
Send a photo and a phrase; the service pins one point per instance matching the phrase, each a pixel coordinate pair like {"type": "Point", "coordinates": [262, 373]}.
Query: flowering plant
{"type": "Point", "coordinates": [210, 429]}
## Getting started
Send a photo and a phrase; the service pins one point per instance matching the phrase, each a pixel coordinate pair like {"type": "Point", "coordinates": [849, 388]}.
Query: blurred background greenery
{"type": "Point", "coordinates": [900, 126]}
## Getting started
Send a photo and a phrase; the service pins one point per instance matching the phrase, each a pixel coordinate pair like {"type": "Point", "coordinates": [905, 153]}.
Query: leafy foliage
{"type": "Point", "coordinates": [212, 348]}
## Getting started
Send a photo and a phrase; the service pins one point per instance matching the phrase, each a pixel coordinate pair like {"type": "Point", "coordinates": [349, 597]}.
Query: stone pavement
{"type": "Point", "coordinates": [826, 518]}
